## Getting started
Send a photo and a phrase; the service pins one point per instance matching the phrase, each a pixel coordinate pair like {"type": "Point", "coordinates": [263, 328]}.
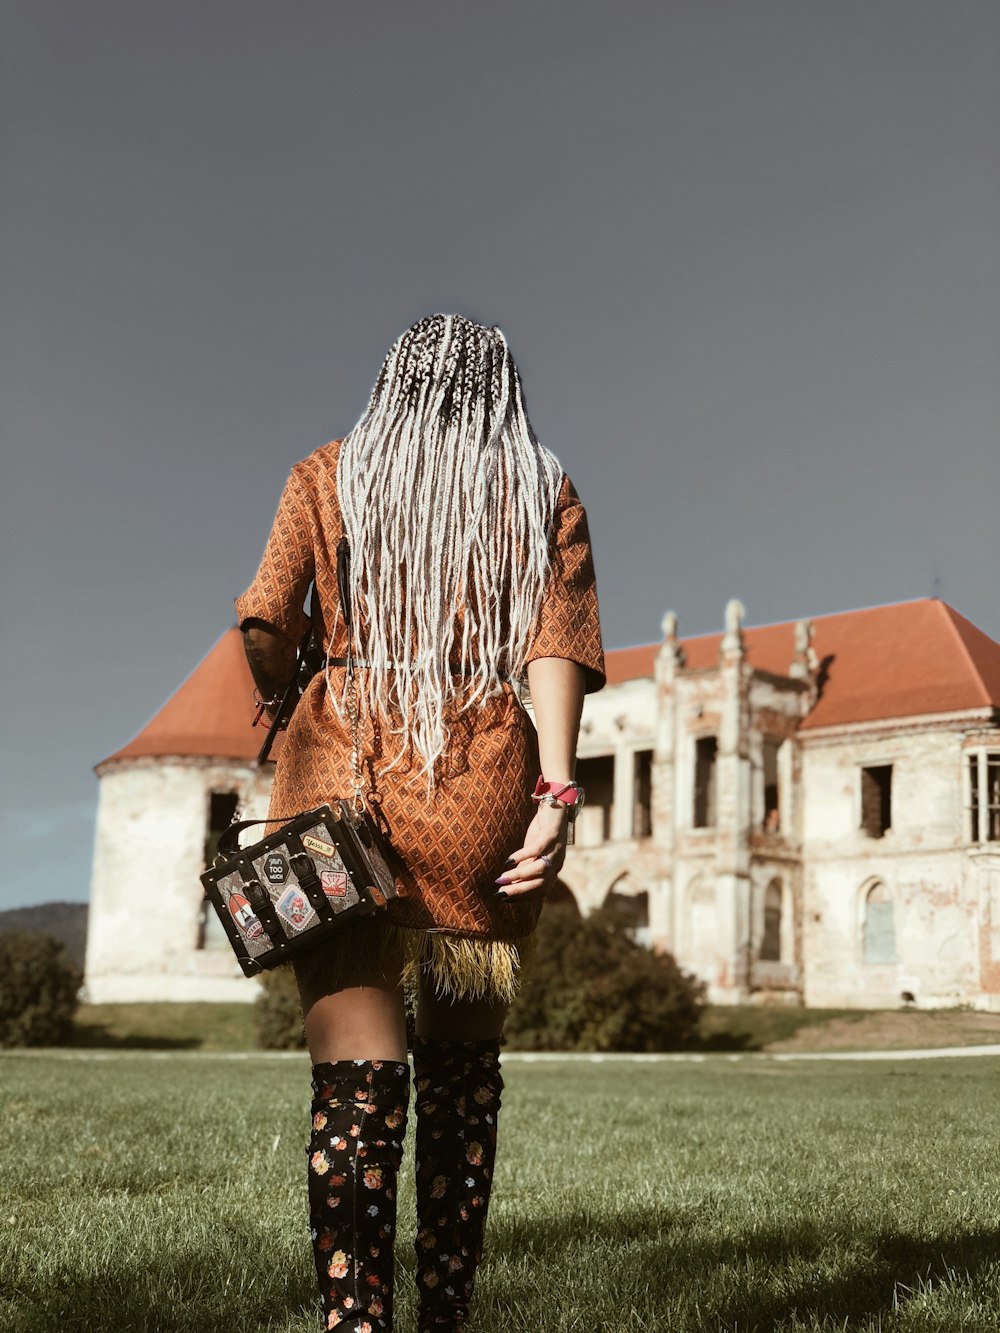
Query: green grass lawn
{"type": "Point", "coordinates": [166, 1192]}
{"type": "Point", "coordinates": [723, 1027]}
{"type": "Point", "coordinates": [177, 1026]}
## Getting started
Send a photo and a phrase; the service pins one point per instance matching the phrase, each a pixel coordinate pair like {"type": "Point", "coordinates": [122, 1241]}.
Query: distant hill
{"type": "Point", "coordinates": [67, 922]}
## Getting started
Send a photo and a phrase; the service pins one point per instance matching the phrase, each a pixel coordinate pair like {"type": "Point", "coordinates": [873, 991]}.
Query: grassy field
{"type": "Point", "coordinates": [155, 1191]}
{"type": "Point", "coordinates": [192, 1027]}
{"type": "Point", "coordinates": [229, 1027]}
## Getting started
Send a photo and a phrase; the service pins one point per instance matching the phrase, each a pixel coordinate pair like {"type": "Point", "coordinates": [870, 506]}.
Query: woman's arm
{"type": "Point", "coordinates": [270, 612]}
{"type": "Point", "coordinates": [271, 657]}
{"type": "Point", "coordinates": [557, 687]}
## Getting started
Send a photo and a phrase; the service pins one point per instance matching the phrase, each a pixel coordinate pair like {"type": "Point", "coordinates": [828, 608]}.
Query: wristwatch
{"type": "Point", "coordinates": [568, 794]}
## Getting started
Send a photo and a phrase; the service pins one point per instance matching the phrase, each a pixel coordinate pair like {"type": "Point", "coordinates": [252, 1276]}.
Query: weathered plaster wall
{"type": "Point", "coordinates": [146, 897]}
{"type": "Point", "coordinates": [922, 861]}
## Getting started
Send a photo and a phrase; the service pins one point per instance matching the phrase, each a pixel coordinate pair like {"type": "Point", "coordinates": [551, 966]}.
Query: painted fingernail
{"type": "Point", "coordinates": [501, 880]}
{"type": "Point", "coordinates": [504, 896]}
{"type": "Point", "coordinates": [509, 864]}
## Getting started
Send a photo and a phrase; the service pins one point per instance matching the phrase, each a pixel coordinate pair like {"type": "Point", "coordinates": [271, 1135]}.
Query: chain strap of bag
{"type": "Point", "coordinates": [353, 707]}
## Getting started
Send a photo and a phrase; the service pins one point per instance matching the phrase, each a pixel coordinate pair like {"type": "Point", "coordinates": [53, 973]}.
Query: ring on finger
{"type": "Point", "coordinates": [548, 863]}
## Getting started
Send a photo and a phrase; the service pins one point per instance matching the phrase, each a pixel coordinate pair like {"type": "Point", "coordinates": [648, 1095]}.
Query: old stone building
{"type": "Point", "coordinates": [806, 812]}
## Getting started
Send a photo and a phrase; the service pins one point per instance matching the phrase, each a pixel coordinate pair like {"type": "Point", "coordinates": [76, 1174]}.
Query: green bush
{"type": "Point", "coordinates": [592, 988]}
{"type": "Point", "coordinates": [277, 1013]}
{"type": "Point", "coordinates": [39, 983]}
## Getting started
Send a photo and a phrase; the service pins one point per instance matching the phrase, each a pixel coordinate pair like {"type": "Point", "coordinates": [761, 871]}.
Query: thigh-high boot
{"type": "Point", "coordinates": [359, 1122]}
{"type": "Point", "coordinates": [457, 1103]}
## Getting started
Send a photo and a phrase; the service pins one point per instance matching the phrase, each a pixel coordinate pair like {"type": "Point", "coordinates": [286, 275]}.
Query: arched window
{"type": "Point", "coordinates": [878, 931]}
{"type": "Point", "coordinates": [770, 942]}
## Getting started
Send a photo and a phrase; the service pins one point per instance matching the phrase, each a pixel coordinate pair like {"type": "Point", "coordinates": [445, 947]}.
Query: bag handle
{"type": "Point", "coordinates": [229, 842]}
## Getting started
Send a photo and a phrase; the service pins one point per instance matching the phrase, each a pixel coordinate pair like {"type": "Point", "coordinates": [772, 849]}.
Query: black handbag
{"type": "Point", "coordinates": [286, 893]}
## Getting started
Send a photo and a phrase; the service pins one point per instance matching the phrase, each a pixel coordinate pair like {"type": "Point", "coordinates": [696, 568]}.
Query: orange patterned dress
{"type": "Point", "coordinates": [451, 843]}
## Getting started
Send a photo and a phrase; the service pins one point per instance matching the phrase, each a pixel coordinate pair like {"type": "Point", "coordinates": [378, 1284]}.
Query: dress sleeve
{"type": "Point", "coordinates": [569, 623]}
{"type": "Point", "coordinates": [277, 594]}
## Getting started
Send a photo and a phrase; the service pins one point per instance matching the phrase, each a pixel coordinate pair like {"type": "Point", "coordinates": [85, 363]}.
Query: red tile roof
{"type": "Point", "coordinates": [209, 715]}
{"type": "Point", "coordinates": [903, 660]}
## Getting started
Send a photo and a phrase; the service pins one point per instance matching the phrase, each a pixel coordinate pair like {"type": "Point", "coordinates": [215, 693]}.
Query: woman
{"type": "Point", "coordinates": [470, 569]}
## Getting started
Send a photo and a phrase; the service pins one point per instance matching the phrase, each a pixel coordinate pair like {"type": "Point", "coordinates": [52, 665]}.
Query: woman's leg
{"type": "Point", "coordinates": [456, 1062]}
{"type": "Point", "coordinates": [356, 1035]}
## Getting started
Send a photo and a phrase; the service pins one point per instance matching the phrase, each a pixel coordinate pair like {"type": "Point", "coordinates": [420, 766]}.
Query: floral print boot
{"type": "Point", "coordinates": [458, 1088]}
{"type": "Point", "coordinates": [358, 1125]}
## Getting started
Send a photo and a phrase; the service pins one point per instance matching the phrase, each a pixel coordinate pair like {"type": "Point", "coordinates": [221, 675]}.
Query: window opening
{"type": "Point", "coordinates": [772, 805]}
{"type": "Point", "coordinates": [770, 944]}
{"type": "Point", "coordinates": [642, 794]}
{"type": "Point", "coordinates": [706, 751]}
{"type": "Point", "coordinates": [597, 777]}
{"type": "Point", "coordinates": [221, 808]}
{"type": "Point", "coordinates": [993, 798]}
{"type": "Point", "coordinates": [630, 910]}
{"type": "Point", "coordinates": [876, 800]}
{"type": "Point", "coordinates": [879, 932]}
{"type": "Point", "coordinates": [974, 795]}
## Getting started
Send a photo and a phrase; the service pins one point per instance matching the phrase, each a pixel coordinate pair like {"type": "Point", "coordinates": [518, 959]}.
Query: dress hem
{"type": "Point", "coordinates": [455, 966]}
{"type": "Point", "coordinates": [465, 967]}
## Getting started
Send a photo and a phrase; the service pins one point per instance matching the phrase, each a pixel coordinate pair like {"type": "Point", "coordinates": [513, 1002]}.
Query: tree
{"type": "Point", "coordinates": [39, 984]}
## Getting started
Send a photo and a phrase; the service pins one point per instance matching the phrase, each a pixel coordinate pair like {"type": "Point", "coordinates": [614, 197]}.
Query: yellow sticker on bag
{"type": "Point", "coordinates": [318, 845]}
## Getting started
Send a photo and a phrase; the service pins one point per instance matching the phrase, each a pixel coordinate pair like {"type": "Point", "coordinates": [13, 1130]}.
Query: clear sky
{"type": "Point", "coordinates": [747, 254]}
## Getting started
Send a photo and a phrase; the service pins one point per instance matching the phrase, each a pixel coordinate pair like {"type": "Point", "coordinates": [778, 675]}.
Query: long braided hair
{"type": "Point", "coordinates": [448, 500]}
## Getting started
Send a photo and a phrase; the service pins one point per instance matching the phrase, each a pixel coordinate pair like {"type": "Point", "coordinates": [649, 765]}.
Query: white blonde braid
{"type": "Point", "coordinates": [448, 500]}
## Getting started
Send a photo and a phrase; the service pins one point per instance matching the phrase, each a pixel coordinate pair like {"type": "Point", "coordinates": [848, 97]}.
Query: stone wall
{"type": "Point", "coordinates": [148, 938]}
{"type": "Point", "coordinates": [896, 915]}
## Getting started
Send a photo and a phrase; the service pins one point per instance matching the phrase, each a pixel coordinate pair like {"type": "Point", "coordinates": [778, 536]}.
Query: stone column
{"type": "Point", "coordinates": [734, 807]}
{"type": "Point", "coordinates": [664, 921]}
{"type": "Point", "coordinates": [624, 784]}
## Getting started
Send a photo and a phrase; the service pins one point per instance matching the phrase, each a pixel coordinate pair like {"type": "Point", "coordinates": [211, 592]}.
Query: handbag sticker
{"type": "Point", "coordinates": [295, 907]}
{"type": "Point", "coordinates": [244, 916]}
{"type": "Point", "coordinates": [275, 868]}
{"type": "Point", "coordinates": [334, 883]}
{"type": "Point", "coordinates": [318, 845]}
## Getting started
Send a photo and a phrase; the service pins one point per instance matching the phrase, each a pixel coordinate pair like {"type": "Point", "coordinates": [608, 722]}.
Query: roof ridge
{"type": "Point", "coordinates": [789, 621]}
{"type": "Point", "coordinates": [949, 614]}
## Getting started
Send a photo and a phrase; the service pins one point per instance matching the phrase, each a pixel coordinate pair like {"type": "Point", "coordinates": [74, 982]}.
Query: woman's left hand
{"type": "Point", "coordinates": [534, 868]}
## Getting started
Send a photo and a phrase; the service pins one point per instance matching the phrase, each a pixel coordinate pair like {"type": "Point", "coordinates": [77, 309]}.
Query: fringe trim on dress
{"type": "Point", "coordinates": [466, 968]}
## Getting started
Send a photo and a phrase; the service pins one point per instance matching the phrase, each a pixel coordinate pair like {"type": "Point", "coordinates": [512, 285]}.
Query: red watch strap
{"type": "Point", "coordinates": [558, 791]}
